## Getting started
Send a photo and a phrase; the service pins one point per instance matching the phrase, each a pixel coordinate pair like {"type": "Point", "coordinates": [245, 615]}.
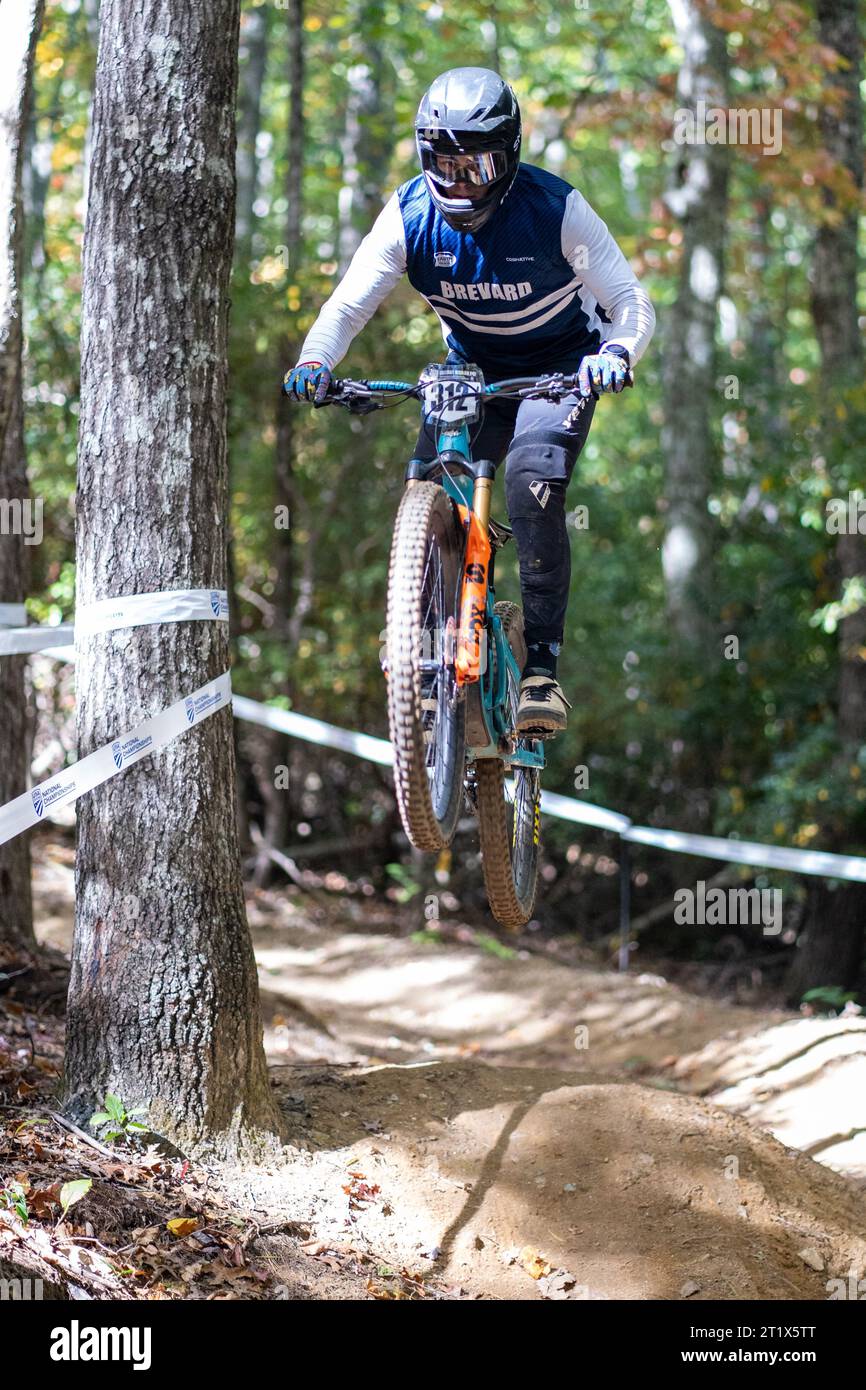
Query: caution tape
{"type": "Point", "coordinates": [12, 615]}
{"type": "Point", "coordinates": [799, 861]}
{"type": "Point", "coordinates": [42, 801]}
{"type": "Point", "coordinates": [110, 614]}
{"type": "Point", "coordinates": [17, 641]}
{"type": "Point", "coordinates": [852, 868]}
{"type": "Point", "coordinates": [166, 606]}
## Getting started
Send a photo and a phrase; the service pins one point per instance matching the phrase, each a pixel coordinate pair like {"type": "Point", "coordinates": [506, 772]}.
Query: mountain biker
{"type": "Point", "coordinates": [525, 278]}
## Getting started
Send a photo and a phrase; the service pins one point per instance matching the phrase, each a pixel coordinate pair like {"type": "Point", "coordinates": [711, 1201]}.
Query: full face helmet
{"type": "Point", "coordinates": [468, 136]}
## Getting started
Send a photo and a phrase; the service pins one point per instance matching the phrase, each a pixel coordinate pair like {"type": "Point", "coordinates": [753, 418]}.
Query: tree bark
{"type": "Point", "coordinates": [163, 1001]}
{"type": "Point", "coordinates": [831, 950]}
{"type": "Point", "coordinates": [270, 748]}
{"type": "Point", "coordinates": [699, 199]}
{"type": "Point", "coordinates": [254, 49]}
{"type": "Point", "coordinates": [20, 22]}
{"type": "Point", "coordinates": [366, 136]}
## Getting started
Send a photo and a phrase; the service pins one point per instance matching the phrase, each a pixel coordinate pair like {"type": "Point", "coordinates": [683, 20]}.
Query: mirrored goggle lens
{"type": "Point", "coordinates": [479, 169]}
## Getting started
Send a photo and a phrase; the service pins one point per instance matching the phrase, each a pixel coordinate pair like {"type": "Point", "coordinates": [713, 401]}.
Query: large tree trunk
{"type": "Point", "coordinates": [698, 198]}
{"type": "Point", "coordinates": [163, 1002]}
{"type": "Point", "coordinates": [831, 950]}
{"type": "Point", "coordinates": [20, 22]}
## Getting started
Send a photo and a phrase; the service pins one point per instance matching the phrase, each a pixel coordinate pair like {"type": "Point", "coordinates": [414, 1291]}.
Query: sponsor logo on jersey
{"type": "Point", "coordinates": [444, 259]}
{"type": "Point", "coordinates": [485, 289]}
{"type": "Point", "coordinates": [520, 258]}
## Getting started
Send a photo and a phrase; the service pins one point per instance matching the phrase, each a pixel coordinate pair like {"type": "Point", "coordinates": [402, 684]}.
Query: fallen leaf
{"type": "Point", "coordinates": [534, 1264]}
{"type": "Point", "coordinates": [182, 1226]}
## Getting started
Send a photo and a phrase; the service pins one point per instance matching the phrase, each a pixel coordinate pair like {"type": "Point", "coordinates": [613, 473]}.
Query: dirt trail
{"type": "Point", "coordinates": [486, 1105]}
{"type": "Point", "coordinates": [524, 1183]}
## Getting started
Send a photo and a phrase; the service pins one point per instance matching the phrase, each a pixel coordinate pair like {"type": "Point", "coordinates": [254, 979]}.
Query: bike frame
{"type": "Point", "coordinates": [470, 490]}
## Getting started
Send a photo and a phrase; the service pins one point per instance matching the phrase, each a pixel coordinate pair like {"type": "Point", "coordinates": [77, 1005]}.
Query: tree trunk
{"type": "Point", "coordinates": [271, 749]}
{"type": "Point", "coordinates": [163, 1001]}
{"type": "Point", "coordinates": [831, 950]}
{"type": "Point", "coordinates": [254, 49]}
{"type": "Point", "coordinates": [367, 136]}
{"type": "Point", "coordinates": [699, 200]}
{"type": "Point", "coordinates": [20, 21]}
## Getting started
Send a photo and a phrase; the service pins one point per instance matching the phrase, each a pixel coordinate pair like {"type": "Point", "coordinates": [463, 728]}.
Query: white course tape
{"type": "Point", "coordinates": [135, 610]}
{"type": "Point", "coordinates": [375, 750]}
{"type": "Point", "coordinates": [109, 614]}
{"type": "Point", "coordinates": [12, 615]}
{"type": "Point", "coordinates": [378, 750]}
{"type": "Point", "coordinates": [15, 640]}
{"type": "Point", "coordinates": [802, 861]}
{"type": "Point", "coordinates": [39, 803]}
{"type": "Point", "coordinates": [583, 812]}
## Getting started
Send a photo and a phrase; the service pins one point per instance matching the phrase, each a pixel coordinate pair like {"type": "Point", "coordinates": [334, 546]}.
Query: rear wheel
{"type": "Point", "coordinates": [426, 712]}
{"type": "Point", "coordinates": [509, 811]}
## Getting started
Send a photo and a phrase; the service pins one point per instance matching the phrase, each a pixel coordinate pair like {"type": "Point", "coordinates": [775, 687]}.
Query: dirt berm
{"type": "Point", "coordinates": [531, 1183]}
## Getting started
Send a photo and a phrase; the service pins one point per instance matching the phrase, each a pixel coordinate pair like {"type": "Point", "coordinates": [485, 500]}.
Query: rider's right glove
{"type": "Point", "coordinates": [308, 381]}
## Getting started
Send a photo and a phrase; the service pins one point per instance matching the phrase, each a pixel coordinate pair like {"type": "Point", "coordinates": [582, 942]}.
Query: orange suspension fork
{"type": "Point", "coordinates": [473, 590]}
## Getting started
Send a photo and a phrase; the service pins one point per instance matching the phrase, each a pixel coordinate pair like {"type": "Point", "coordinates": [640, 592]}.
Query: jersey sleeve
{"type": "Point", "coordinates": [373, 272]}
{"type": "Point", "coordinates": [594, 255]}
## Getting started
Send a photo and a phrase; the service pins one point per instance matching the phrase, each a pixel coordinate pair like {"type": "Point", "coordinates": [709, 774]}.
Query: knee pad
{"type": "Point", "coordinates": [537, 470]}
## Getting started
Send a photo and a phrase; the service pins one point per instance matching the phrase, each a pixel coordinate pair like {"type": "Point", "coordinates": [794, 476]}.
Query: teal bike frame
{"type": "Point", "coordinates": [490, 694]}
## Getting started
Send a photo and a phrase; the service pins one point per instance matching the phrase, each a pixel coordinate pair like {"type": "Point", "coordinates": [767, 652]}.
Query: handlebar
{"type": "Point", "coordinates": [361, 397]}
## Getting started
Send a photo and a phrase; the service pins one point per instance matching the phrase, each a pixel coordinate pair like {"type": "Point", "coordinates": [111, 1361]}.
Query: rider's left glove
{"type": "Point", "coordinates": [308, 381]}
{"type": "Point", "coordinates": [603, 371]}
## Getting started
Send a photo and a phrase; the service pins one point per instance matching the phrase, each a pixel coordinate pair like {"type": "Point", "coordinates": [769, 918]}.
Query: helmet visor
{"type": "Point", "coordinates": [466, 170]}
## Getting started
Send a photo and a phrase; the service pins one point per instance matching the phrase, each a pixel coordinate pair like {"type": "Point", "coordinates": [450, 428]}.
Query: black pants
{"type": "Point", "coordinates": [540, 454]}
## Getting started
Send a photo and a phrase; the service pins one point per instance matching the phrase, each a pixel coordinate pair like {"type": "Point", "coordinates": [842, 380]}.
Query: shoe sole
{"type": "Point", "coordinates": [539, 730]}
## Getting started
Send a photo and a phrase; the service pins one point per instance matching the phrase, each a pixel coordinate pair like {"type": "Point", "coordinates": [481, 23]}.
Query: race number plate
{"type": "Point", "coordinates": [451, 401]}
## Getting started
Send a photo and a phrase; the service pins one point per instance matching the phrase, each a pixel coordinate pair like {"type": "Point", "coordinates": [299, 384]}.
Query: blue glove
{"type": "Point", "coordinates": [308, 381]}
{"type": "Point", "coordinates": [603, 371]}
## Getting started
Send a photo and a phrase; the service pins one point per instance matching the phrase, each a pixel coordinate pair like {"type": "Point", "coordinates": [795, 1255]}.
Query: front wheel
{"type": "Point", "coordinates": [426, 711]}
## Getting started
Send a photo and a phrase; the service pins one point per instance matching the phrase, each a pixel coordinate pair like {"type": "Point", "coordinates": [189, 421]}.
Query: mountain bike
{"type": "Point", "coordinates": [454, 656]}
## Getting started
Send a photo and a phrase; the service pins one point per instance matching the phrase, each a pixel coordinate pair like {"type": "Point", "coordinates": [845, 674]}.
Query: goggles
{"type": "Point", "coordinates": [477, 169]}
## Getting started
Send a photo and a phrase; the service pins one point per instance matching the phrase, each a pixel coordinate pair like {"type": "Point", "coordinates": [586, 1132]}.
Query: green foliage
{"type": "Point", "coordinates": [14, 1198]}
{"type": "Point", "coordinates": [598, 92]}
{"type": "Point", "coordinates": [72, 1192]}
{"type": "Point", "coordinates": [407, 887]}
{"type": "Point", "coordinates": [828, 998]}
{"type": "Point", "coordinates": [115, 1114]}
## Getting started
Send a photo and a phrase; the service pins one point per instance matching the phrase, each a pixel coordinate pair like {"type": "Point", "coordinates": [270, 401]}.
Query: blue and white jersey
{"type": "Point", "coordinates": [538, 287]}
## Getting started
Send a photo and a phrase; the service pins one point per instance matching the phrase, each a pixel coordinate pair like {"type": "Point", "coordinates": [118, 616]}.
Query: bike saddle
{"type": "Point", "coordinates": [500, 534]}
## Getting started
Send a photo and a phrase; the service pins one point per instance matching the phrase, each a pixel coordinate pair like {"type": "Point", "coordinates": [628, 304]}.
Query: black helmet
{"type": "Point", "coordinates": [468, 133]}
